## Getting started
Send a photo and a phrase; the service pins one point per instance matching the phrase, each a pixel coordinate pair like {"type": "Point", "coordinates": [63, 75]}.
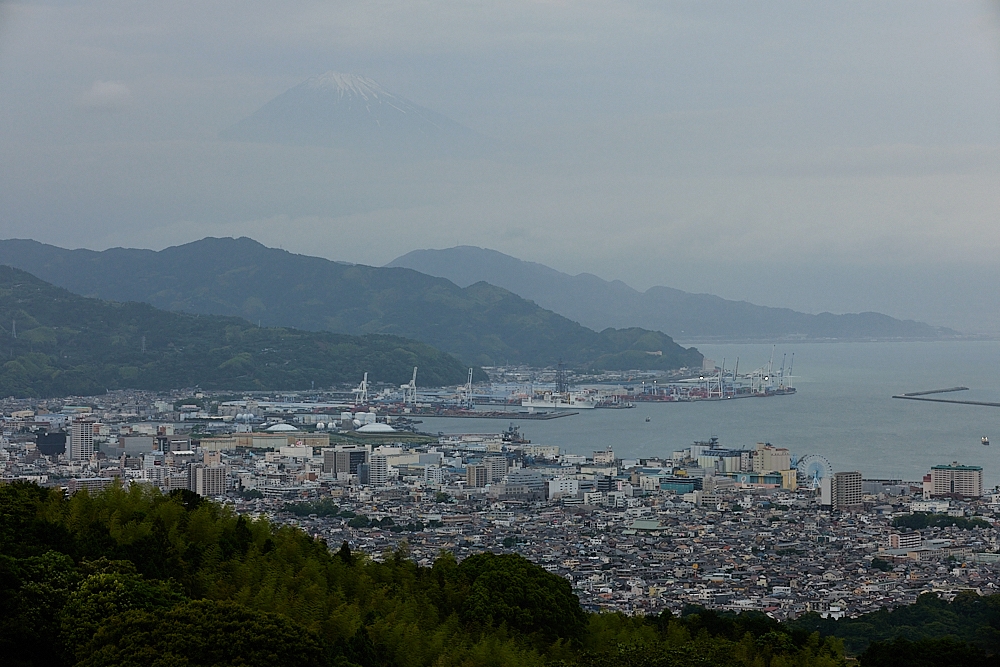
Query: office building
{"type": "Point", "coordinates": [344, 459]}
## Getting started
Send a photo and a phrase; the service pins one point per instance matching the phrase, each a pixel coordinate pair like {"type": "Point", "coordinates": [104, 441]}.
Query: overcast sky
{"type": "Point", "coordinates": [837, 156]}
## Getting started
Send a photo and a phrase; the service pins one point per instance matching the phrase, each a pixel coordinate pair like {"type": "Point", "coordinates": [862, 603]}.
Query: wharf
{"type": "Point", "coordinates": [497, 414]}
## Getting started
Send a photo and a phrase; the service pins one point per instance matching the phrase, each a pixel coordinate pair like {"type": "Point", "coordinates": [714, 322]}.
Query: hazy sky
{"type": "Point", "coordinates": [821, 155]}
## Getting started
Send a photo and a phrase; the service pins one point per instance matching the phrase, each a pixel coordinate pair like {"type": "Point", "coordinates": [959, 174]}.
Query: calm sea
{"type": "Point", "coordinates": [843, 410]}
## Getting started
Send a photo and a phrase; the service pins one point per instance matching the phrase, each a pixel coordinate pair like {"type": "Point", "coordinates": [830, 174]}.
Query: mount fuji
{"type": "Point", "coordinates": [353, 112]}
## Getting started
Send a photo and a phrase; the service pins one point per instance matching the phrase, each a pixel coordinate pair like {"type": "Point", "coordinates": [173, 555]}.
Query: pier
{"type": "Point", "coordinates": [932, 391]}
{"type": "Point", "coordinates": [924, 396]}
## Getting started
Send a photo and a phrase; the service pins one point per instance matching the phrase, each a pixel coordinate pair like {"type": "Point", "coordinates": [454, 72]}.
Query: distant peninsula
{"type": "Point", "coordinates": [600, 303]}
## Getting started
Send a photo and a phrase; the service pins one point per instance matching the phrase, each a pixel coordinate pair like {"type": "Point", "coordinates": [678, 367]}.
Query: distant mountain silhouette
{"type": "Point", "coordinates": [480, 324]}
{"type": "Point", "coordinates": [354, 112]}
{"type": "Point", "coordinates": [599, 303]}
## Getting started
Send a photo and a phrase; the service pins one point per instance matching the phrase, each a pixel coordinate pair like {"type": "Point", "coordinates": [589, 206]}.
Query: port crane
{"type": "Point", "coordinates": [410, 389]}
{"type": "Point", "coordinates": [465, 392]}
{"type": "Point", "coordinates": [361, 392]}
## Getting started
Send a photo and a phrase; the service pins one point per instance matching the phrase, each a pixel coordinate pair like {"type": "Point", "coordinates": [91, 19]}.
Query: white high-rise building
{"type": "Point", "coordinates": [378, 470]}
{"type": "Point", "coordinates": [81, 441]}
{"type": "Point", "coordinates": [433, 474]}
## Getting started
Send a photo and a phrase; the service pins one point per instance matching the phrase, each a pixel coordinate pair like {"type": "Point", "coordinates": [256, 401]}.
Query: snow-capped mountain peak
{"type": "Point", "coordinates": [348, 84]}
{"type": "Point", "coordinates": [353, 112]}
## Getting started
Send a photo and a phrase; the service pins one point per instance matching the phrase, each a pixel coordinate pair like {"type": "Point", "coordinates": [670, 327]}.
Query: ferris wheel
{"type": "Point", "coordinates": [814, 468]}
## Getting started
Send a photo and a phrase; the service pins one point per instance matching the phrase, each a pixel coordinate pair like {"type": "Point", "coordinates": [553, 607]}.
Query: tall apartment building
{"type": "Point", "coordinates": [378, 470]}
{"type": "Point", "coordinates": [496, 468]}
{"type": "Point", "coordinates": [956, 479]}
{"type": "Point", "coordinates": [846, 490]}
{"type": "Point", "coordinates": [81, 440]}
{"type": "Point", "coordinates": [208, 480]}
{"type": "Point", "coordinates": [477, 476]}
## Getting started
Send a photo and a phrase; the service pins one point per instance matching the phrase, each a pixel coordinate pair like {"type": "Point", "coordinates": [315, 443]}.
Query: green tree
{"type": "Point", "coordinates": [202, 633]}
{"type": "Point", "coordinates": [511, 591]}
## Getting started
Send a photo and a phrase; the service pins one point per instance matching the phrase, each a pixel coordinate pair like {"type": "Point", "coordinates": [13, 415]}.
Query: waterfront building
{"type": "Point", "coordinates": [956, 480]}
{"type": "Point", "coordinates": [767, 458]}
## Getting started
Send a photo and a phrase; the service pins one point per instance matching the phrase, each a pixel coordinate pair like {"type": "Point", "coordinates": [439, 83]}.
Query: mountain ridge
{"type": "Point", "coordinates": [481, 324]}
{"type": "Point", "coordinates": [600, 303]}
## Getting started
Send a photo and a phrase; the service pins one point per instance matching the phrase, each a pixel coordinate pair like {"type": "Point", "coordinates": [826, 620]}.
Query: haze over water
{"type": "Point", "coordinates": [843, 410]}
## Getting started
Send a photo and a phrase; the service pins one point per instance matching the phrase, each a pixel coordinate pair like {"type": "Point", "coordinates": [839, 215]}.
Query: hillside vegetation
{"type": "Point", "coordinates": [70, 345]}
{"type": "Point", "coordinates": [481, 324]}
{"type": "Point", "coordinates": [134, 577]}
{"type": "Point", "coordinates": [931, 622]}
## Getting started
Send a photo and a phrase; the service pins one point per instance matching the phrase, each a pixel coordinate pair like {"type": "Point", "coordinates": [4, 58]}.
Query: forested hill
{"type": "Point", "coordinates": [481, 324]}
{"type": "Point", "coordinates": [55, 343]}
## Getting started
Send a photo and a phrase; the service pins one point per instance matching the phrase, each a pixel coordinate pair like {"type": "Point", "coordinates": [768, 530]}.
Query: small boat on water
{"type": "Point", "coordinates": [986, 441]}
{"type": "Point", "coordinates": [647, 418]}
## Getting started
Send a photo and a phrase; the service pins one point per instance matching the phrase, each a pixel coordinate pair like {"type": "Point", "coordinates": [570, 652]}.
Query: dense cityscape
{"type": "Point", "coordinates": [734, 528]}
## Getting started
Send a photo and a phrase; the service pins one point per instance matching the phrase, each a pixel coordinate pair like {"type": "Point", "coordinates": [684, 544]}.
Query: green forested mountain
{"type": "Point", "coordinates": [53, 342]}
{"type": "Point", "coordinates": [480, 324]}
{"type": "Point", "coordinates": [130, 578]}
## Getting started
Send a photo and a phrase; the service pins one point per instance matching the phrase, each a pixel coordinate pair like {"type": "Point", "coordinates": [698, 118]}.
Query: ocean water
{"type": "Point", "coordinates": [843, 410]}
